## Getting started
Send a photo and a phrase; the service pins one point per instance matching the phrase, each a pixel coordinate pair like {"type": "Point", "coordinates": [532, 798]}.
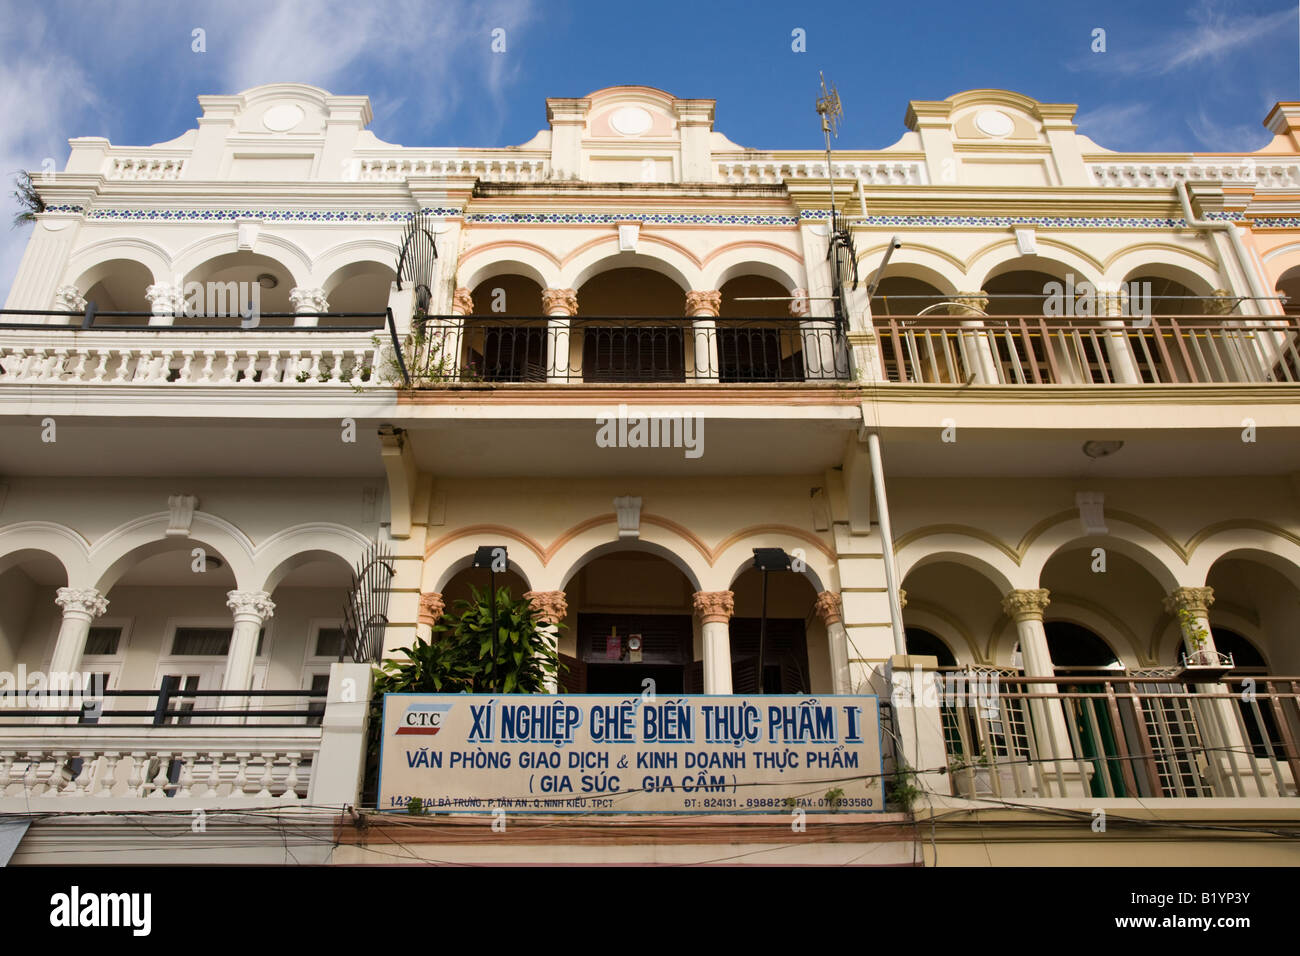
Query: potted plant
{"type": "Point", "coordinates": [1200, 663]}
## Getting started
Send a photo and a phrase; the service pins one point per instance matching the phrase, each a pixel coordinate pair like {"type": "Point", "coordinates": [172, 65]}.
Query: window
{"type": "Point", "coordinates": [320, 683]}
{"type": "Point", "coordinates": [103, 641]}
{"type": "Point", "coordinates": [207, 641]}
{"type": "Point", "coordinates": [329, 643]}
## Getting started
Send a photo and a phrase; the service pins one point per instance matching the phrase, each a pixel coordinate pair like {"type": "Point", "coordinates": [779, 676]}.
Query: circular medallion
{"type": "Point", "coordinates": [994, 123]}
{"type": "Point", "coordinates": [631, 121]}
{"type": "Point", "coordinates": [284, 117]}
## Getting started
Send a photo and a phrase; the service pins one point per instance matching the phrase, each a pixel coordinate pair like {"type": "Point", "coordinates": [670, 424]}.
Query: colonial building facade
{"type": "Point", "coordinates": [1020, 407]}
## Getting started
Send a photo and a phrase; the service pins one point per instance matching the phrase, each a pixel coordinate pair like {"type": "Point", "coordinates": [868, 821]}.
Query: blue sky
{"type": "Point", "coordinates": [1175, 76]}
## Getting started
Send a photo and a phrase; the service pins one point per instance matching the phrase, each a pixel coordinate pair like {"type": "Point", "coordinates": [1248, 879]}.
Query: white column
{"type": "Point", "coordinates": [431, 609]}
{"type": "Point", "coordinates": [336, 774]}
{"type": "Point", "coordinates": [1026, 608]}
{"type": "Point", "coordinates": [307, 300]}
{"type": "Point", "coordinates": [550, 608]}
{"type": "Point", "coordinates": [252, 609]}
{"type": "Point", "coordinates": [978, 347]}
{"type": "Point", "coordinates": [1119, 350]}
{"type": "Point", "coordinates": [831, 610]}
{"type": "Point", "coordinates": [560, 305]}
{"type": "Point", "coordinates": [703, 308]}
{"type": "Point", "coordinates": [80, 607]}
{"type": "Point", "coordinates": [715, 609]}
{"type": "Point", "coordinates": [166, 301]}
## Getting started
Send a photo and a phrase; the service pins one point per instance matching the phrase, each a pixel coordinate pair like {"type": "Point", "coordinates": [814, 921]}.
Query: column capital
{"type": "Point", "coordinates": [308, 300]}
{"type": "Point", "coordinates": [703, 304]}
{"type": "Point", "coordinates": [256, 604]}
{"type": "Point", "coordinates": [1026, 605]}
{"type": "Point", "coordinates": [462, 302]}
{"type": "Point", "coordinates": [431, 608]}
{"type": "Point", "coordinates": [829, 608]}
{"type": "Point", "coordinates": [1196, 600]}
{"type": "Point", "coordinates": [68, 298]}
{"type": "Point", "coordinates": [902, 598]}
{"type": "Point", "coordinates": [550, 607]}
{"type": "Point", "coordinates": [1222, 304]}
{"type": "Point", "coordinates": [714, 607]}
{"type": "Point", "coordinates": [85, 601]}
{"type": "Point", "coordinates": [165, 299]}
{"type": "Point", "coordinates": [968, 303]}
{"type": "Point", "coordinates": [559, 301]}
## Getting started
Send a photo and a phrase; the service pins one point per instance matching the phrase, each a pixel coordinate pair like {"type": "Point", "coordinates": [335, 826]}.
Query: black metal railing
{"type": "Point", "coordinates": [523, 349]}
{"type": "Point", "coordinates": [167, 705]}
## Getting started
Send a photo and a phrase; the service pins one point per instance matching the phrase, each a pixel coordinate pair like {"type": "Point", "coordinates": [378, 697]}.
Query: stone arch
{"type": "Point", "coordinates": [66, 546]}
{"type": "Point", "coordinates": [1277, 551]}
{"type": "Point", "coordinates": [215, 253]}
{"type": "Point", "coordinates": [739, 557]}
{"type": "Point", "coordinates": [964, 549]}
{"type": "Point", "coordinates": [375, 275]}
{"type": "Point", "coordinates": [530, 261]}
{"type": "Point", "coordinates": [286, 550]}
{"type": "Point", "coordinates": [666, 260]}
{"type": "Point", "coordinates": [733, 263]}
{"type": "Point", "coordinates": [1057, 259]}
{"type": "Point", "coordinates": [93, 262]}
{"type": "Point", "coordinates": [1167, 262]}
{"type": "Point", "coordinates": [1153, 553]}
{"type": "Point", "coordinates": [438, 570]}
{"type": "Point", "coordinates": [923, 263]}
{"type": "Point", "coordinates": [630, 544]}
{"type": "Point", "coordinates": [115, 553]}
{"type": "Point", "coordinates": [1125, 643]}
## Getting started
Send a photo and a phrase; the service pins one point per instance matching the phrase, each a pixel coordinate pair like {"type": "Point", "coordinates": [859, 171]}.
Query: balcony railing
{"type": "Point", "coordinates": [1035, 350]}
{"type": "Point", "coordinates": [1128, 736]}
{"type": "Point", "coordinates": [524, 349]}
{"type": "Point", "coordinates": [121, 348]}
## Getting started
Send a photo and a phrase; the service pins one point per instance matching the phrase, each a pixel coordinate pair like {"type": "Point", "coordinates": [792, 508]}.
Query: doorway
{"type": "Point", "coordinates": [607, 646]}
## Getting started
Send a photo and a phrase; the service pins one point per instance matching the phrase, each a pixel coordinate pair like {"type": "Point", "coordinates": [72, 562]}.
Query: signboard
{"type": "Point", "coordinates": [588, 753]}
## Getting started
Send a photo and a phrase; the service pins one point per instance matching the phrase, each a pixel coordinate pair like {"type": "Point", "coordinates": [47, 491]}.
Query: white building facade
{"type": "Point", "coordinates": [1034, 415]}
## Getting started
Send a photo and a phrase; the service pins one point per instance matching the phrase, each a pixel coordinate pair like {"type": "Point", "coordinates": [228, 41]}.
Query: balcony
{"type": "Point", "coordinates": [1035, 350]}
{"type": "Point", "coordinates": [595, 350]}
{"type": "Point", "coordinates": [1144, 735]}
{"type": "Point", "coordinates": [121, 348]}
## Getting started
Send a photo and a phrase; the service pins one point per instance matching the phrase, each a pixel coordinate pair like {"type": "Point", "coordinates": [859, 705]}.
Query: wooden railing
{"type": "Point", "coordinates": [1037, 350]}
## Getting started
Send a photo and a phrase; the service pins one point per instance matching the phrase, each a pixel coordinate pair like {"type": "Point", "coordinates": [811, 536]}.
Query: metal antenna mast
{"type": "Point", "coordinates": [828, 107]}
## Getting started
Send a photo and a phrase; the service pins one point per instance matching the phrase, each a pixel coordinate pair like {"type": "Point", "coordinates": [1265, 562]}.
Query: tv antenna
{"type": "Point", "coordinates": [829, 109]}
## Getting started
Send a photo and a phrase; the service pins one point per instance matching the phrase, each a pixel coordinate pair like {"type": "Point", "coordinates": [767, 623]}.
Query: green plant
{"type": "Point", "coordinates": [29, 200]}
{"type": "Point", "coordinates": [1197, 636]}
{"type": "Point", "coordinates": [416, 807]}
{"type": "Point", "coordinates": [834, 797]}
{"type": "Point", "coordinates": [901, 790]}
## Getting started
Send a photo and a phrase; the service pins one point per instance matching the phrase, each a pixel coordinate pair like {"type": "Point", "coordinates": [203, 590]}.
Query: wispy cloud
{"type": "Point", "coordinates": [1121, 125]}
{"type": "Point", "coordinates": [1231, 137]}
{"type": "Point", "coordinates": [1215, 35]}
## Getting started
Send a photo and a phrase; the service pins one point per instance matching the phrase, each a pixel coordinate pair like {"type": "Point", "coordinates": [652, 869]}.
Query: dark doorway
{"type": "Point", "coordinates": [785, 656]}
{"type": "Point", "coordinates": [610, 664]}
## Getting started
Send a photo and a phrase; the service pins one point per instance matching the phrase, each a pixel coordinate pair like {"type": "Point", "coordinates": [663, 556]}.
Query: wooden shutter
{"type": "Point", "coordinates": [694, 677]}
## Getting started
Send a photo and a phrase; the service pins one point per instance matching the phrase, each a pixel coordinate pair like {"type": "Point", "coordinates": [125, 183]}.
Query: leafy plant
{"type": "Point", "coordinates": [835, 796]}
{"type": "Point", "coordinates": [1197, 636]}
{"type": "Point", "coordinates": [901, 790]}
{"type": "Point", "coordinates": [415, 806]}
{"type": "Point", "coordinates": [29, 200]}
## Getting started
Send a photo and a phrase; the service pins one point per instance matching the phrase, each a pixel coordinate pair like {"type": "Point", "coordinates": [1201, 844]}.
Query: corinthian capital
{"type": "Point", "coordinates": [308, 300]}
{"type": "Point", "coordinates": [1196, 600]}
{"type": "Point", "coordinates": [431, 608]}
{"type": "Point", "coordinates": [829, 608]}
{"type": "Point", "coordinates": [165, 299]}
{"type": "Point", "coordinates": [462, 302]}
{"type": "Point", "coordinates": [85, 601]}
{"type": "Point", "coordinates": [559, 302]}
{"type": "Point", "coordinates": [68, 298]}
{"type": "Point", "coordinates": [551, 607]}
{"type": "Point", "coordinates": [703, 304]}
{"type": "Point", "coordinates": [250, 603]}
{"type": "Point", "coordinates": [714, 607]}
{"type": "Point", "coordinates": [1026, 605]}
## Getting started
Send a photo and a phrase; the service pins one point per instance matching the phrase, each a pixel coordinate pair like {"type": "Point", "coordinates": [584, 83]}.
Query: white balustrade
{"type": "Point", "coordinates": [144, 167]}
{"type": "Point", "coordinates": [98, 358]}
{"type": "Point", "coordinates": [1261, 173]}
{"type": "Point", "coordinates": [227, 763]}
{"type": "Point", "coordinates": [507, 169]}
{"type": "Point", "coordinates": [871, 172]}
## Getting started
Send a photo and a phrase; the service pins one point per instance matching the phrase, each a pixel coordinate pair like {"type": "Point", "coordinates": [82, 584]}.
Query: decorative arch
{"type": "Point", "coordinates": [528, 562]}
{"type": "Point", "coordinates": [516, 258]}
{"type": "Point", "coordinates": [965, 546]}
{"type": "Point", "coordinates": [668, 259]}
{"type": "Point", "coordinates": [1111, 630]}
{"type": "Point", "coordinates": [1004, 256]}
{"type": "Point", "coordinates": [1266, 544]}
{"type": "Point", "coordinates": [217, 248]}
{"type": "Point", "coordinates": [114, 553]}
{"type": "Point", "coordinates": [1197, 272]}
{"type": "Point", "coordinates": [630, 544]}
{"type": "Point", "coordinates": [928, 264]}
{"type": "Point", "coordinates": [738, 259]}
{"type": "Point", "coordinates": [93, 262]}
{"type": "Point", "coordinates": [63, 544]}
{"type": "Point", "coordinates": [291, 548]}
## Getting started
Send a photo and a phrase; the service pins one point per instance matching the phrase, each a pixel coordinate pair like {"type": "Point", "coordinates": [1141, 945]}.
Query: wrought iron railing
{"type": "Point", "coordinates": [1128, 350]}
{"type": "Point", "coordinates": [535, 349]}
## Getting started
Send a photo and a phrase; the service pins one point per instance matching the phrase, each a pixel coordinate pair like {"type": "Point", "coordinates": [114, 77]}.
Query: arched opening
{"type": "Point", "coordinates": [358, 287]}
{"type": "Point", "coordinates": [1020, 291]}
{"type": "Point", "coordinates": [757, 339]}
{"type": "Point", "coordinates": [505, 345]}
{"type": "Point", "coordinates": [796, 656]}
{"type": "Point", "coordinates": [309, 599]}
{"type": "Point", "coordinates": [1288, 284]}
{"type": "Point", "coordinates": [1121, 602]}
{"type": "Point", "coordinates": [904, 295]}
{"type": "Point", "coordinates": [651, 349]}
{"type": "Point", "coordinates": [949, 591]}
{"type": "Point", "coordinates": [1254, 598]}
{"type": "Point", "coordinates": [118, 286]}
{"type": "Point", "coordinates": [225, 286]}
{"type": "Point", "coordinates": [923, 643]}
{"type": "Point", "coordinates": [462, 585]}
{"type": "Point", "coordinates": [630, 619]}
{"type": "Point", "coordinates": [1076, 650]}
{"type": "Point", "coordinates": [1164, 296]}
{"type": "Point", "coordinates": [29, 618]}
